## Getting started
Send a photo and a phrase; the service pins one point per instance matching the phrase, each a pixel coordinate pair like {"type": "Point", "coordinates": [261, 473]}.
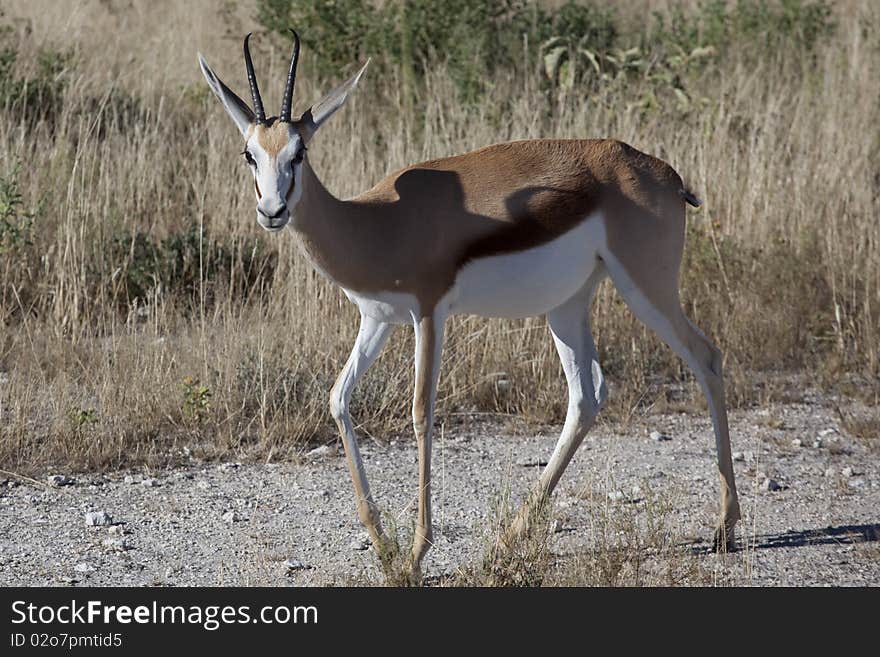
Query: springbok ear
{"type": "Point", "coordinates": [235, 106]}
{"type": "Point", "coordinates": [318, 113]}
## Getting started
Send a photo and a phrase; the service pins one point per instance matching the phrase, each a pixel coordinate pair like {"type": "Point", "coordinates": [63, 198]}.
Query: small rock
{"type": "Point", "coordinates": [856, 482]}
{"type": "Point", "coordinates": [532, 463]}
{"type": "Point", "coordinates": [847, 471]}
{"type": "Point", "coordinates": [739, 456]}
{"type": "Point", "coordinates": [59, 480]}
{"type": "Point", "coordinates": [203, 484]}
{"type": "Point", "coordinates": [12, 483]}
{"type": "Point", "coordinates": [130, 479]}
{"type": "Point", "coordinates": [323, 451]}
{"type": "Point", "coordinates": [117, 543]}
{"type": "Point", "coordinates": [295, 564]}
{"type": "Point", "coordinates": [229, 517]}
{"type": "Point", "coordinates": [360, 543]}
{"type": "Point", "coordinates": [616, 495]}
{"type": "Point", "coordinates": [150, 482]}
{"type": "Point", "coordinates": [84, 568]}
{"type": "Point", "coordinates": [771, 485]}
{"type": "Point", "coordinates": [659, 437]}
{"type": "Point", "coordinates": [117, 529]}
{"type": "Point", "coordinates": [831, 472]}
{"type": "Point", "coordinates": [796, 442]}
{"type": "Point", "coordinates": [827, 432]}
{"type": "Point", "coordinates": [98, 519]}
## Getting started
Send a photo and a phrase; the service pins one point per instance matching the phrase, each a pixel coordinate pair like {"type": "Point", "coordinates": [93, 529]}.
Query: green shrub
{"type": "Point", "coordinates": [16, 223]}
{"type": "Point", "coordinates": [579, 44]}
{"type": "Point", "coordinates": [182, 264]}
{"type": "Point", "coordinates": [38, 97]}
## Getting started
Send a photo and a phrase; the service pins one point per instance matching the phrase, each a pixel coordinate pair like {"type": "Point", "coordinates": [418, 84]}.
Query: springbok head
{"type": "Point", "coordinates": [275, 147]}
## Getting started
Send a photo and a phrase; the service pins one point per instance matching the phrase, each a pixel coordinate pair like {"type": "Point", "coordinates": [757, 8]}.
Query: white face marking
{"type": "Point", "coordinates": [531, 282]}
{"type": "Point", "coordinates": [278, 178]}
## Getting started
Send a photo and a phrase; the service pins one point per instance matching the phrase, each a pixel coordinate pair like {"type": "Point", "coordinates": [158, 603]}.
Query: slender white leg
{"type": "Point", "coordinates": [371, 337]}
{"type": "Point", "coordinates": [664, 315]}
{"type": "Point", "coordinates": [570, 326]}
{"type": "Point", "coordinates": [429, 348]}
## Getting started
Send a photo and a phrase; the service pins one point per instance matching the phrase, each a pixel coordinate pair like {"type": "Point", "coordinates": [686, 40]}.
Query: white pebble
{"type": "Point", "coordinates": [322, 452]}
{"type": "Point", "coordinates": [360, 544]}
{"type": "Point", "coordinates": [98, 519]}
{"type": "Point", "coordinates": [116, 543]}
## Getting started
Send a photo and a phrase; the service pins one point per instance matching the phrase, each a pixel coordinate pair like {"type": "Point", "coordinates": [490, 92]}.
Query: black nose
{"type": "Point", "coordinates": [277, 214]}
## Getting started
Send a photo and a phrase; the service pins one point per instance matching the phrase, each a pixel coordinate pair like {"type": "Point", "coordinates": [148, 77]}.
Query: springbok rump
{"type": "Point", "coordinates": [510, 230]}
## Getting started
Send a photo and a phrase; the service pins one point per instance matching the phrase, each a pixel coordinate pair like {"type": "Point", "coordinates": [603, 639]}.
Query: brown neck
{"type": "Point", "coordinates": [333, 232]}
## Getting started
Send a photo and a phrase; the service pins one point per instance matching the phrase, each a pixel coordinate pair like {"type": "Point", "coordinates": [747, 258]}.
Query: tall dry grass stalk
{"type": "Point", "coordinates": [782, 266]}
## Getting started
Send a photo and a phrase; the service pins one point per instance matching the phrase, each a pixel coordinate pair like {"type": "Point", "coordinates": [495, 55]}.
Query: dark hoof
{"type": "Point", "coordinates": [724, 540]}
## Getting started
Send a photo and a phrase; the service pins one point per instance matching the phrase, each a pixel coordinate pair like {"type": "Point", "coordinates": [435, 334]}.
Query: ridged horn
{"type": "Point", "coordinates": [259, 114]}
{"type": "Point", "coordinates": [287, 103]}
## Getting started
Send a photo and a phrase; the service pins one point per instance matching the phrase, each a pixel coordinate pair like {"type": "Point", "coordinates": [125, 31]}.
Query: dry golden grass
{"type": "Point", "coordinates": [782, 267]}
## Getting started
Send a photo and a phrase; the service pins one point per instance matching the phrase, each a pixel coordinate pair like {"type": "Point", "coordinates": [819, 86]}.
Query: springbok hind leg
{"type": "Point", "coordinates": [659, 308]}
{"type": "Point", "coordinates": [570, 326]}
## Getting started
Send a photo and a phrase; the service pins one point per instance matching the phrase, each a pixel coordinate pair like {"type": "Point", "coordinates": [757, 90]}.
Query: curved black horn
{"type": "Point", "coordinates": [287, 103]}
{"type": "Point", "coordinates": [252, 79]}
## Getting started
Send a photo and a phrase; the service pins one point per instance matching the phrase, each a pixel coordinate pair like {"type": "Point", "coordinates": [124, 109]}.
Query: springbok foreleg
{"type": "Point", "coordinates": [371, 337]}
{"type": "Point", "coordinates": [429, 347]}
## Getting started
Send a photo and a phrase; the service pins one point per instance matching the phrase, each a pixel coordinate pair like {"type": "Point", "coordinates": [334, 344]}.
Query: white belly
{"type": "Point", "coordinates": [528, 283]}
{"type": "Point", "coordinates": [513, 285]}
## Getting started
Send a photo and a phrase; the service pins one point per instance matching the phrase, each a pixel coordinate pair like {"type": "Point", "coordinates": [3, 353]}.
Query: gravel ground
{"type": "Point", "coordinates": [815, 522]}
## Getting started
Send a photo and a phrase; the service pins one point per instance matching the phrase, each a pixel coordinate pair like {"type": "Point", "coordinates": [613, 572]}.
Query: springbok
{"type": "Point", "coordinates": [510, 230]}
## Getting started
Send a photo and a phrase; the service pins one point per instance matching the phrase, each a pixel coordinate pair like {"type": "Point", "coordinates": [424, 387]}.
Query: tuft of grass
{"type": "Point", "coordinates": [631, 544]}
{"type": "Point", "coordinates": [512, 557]}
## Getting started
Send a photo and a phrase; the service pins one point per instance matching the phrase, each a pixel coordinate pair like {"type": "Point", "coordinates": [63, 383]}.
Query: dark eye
{"type": "Point", "coordinates": [249, 158]}
{"type": "Point", "coordinates": [298, 157]}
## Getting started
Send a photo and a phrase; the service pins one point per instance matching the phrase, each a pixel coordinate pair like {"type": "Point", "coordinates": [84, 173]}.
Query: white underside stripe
{"type": "Point", "coordinates": [512, 285]}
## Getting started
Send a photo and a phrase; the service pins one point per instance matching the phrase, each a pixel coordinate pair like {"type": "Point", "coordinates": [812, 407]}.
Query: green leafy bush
{"type": "Point", "coordinates": [15, 222]}
{"type": "Point", "coordinates": [39, 96]}
{"type": "Point", "coordinates": [181, 263]}
{"type": "Point", "coordinates": [578, 44]}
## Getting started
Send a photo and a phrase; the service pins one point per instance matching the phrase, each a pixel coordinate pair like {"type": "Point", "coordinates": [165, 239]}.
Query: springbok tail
{"type": "Point", "coordinates": [690, 198]}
